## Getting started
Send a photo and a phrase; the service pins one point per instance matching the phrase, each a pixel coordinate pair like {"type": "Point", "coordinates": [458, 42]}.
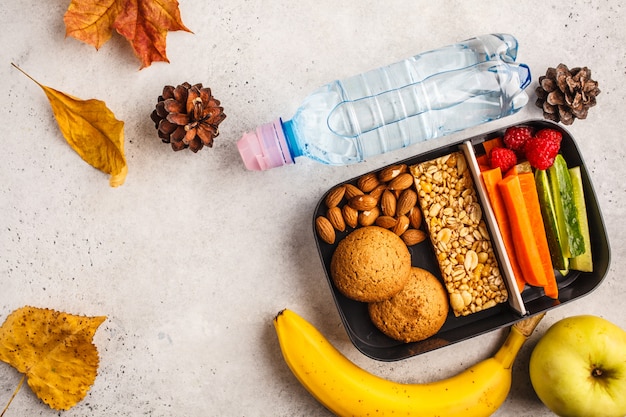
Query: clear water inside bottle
{"type": "Point", "coordinates": [345, 132]}
{"type": "Point", "coordinates": [409, 71]}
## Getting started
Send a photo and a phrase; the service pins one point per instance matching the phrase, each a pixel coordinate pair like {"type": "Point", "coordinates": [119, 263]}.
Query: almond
{"type": "Point", "coordinates": [367, 182]}
{"type": "Point", "coordinates": [334, 196]}
{"type": "Point", "coordinates": [368, 217]}
{"type": "Point", "coordinates": [401, 226]}
{"type": "Point", "coordinates": [388, 203]}
{"type": "Point", "coordinates": [413, 237]}
{"type": "Point", "coordinates": [415, 217]}
{"type": "Point", "coordinates": [391, 172]}
{"type": "Point", "coordinates": [336, 218]}
{"type": "Point", "coordinates": [350, 215]}
{"type": "Point", "coordinates": [401, 182]}
{"type": "Point", "coordinates": [325, 230]}
{"type": "Point", "coordinates": [406, 201]}
{"type": "Point", "coordinates": [386, 222]}
{"type": "Point", "coordinates": [352, 191]}
{"type": "Point", "coordinates": [363, 202]}
{"type": "Point", "coordinates": [378, 191]}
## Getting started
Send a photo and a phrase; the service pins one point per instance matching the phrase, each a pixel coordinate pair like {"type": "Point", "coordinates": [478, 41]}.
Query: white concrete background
{"type": "Point", "coordinates": [193, 256]}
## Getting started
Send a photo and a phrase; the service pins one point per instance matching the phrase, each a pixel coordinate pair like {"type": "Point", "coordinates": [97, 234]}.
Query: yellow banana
{"type": "Point", "coordinates": [348, 390]}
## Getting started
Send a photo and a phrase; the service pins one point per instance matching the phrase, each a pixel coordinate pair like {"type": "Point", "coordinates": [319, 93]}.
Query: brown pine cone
{"type": "Point", "coordinates": [566, 95]}
{"type": "Point", "coordinates": [187, 116]}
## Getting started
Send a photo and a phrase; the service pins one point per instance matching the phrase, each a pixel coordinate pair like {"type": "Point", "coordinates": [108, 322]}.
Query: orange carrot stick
{"type": "Point", "coordinates": [491, 178]}
{"type": "Point", "coordinates": [520, 168]}
{"type": "Point", "coordinates": [483, 162]}
{"type": "Point", "coordinates": [531, 198]}
{"type": "Point", "coordinates": [523, 234]}
{"type": "Point", "coordinates": [488, 145]}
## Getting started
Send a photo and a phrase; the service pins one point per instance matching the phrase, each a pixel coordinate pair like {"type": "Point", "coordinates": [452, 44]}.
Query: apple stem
{"type": "Point", "coordinates": [596, 372]}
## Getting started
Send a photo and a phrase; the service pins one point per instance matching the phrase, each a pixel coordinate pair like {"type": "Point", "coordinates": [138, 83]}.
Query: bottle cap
{"type": "Point", "coordinates": [265, 148]}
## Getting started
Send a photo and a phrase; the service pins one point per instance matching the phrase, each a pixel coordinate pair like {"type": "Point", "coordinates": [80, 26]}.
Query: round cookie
{"type": "Point", "coordinates": [370, 264]}
{"type": "Point", "coordinates": [415, 313]}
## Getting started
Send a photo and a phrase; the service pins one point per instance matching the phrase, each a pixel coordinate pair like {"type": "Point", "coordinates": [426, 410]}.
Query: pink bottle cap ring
{"type": "Point", "coordinates": [265, 148]}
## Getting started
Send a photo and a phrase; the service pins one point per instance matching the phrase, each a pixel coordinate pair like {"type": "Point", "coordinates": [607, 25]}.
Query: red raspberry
{"type": "Point", "coordinates": [541, 151]}
{"type": "Point", "coordinates": [502, 158]}
{"type": "Point", "coordinates": [551, 134]}
{"type": "Point", "coordinates": [516, 137]}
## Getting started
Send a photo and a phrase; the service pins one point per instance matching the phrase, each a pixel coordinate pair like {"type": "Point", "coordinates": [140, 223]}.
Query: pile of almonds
{"type": "Point", "coordinates": [387, 198]}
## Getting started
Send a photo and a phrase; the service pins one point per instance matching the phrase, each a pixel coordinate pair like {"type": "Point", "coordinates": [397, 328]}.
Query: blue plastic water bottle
{"type": "Point", "coordinates": [423, 97]}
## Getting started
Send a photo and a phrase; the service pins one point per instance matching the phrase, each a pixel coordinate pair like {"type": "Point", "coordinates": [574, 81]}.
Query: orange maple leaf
{"type": "Point", "coordinates": [144, 23]}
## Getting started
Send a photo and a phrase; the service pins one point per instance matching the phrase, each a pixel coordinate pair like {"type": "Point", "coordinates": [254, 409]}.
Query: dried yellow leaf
{"type": "Point", "coordinates": [54, 350]}
{"type": "Point", "coordinates": [92, 130]}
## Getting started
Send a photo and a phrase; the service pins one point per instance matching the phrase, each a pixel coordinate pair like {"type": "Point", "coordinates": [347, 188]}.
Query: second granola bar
{"type": "Point", "coordinates": [453, 217]}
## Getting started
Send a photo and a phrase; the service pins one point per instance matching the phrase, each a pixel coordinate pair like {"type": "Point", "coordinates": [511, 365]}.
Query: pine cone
{"type": "Point", "coordinates": [187, 116]}
{"type": "Point", "coordinates": [566, 95]}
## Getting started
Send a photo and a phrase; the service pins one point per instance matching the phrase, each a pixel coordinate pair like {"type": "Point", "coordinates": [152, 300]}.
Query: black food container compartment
{"type": "Point", "coordinates": [574, 285]}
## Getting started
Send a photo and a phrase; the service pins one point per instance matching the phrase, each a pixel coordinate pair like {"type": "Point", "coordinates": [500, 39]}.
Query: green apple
{"type": "Point", "coordinates": [578, 368]}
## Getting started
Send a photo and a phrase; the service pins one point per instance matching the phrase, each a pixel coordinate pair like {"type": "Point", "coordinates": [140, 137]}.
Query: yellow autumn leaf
{"type": "Point", "coordinates": [54, 350]}
{"type": "Point", "coordinates": [91, 129]}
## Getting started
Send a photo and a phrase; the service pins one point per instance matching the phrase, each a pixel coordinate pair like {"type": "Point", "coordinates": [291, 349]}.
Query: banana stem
{"type": "Point", "coordinates": [520, 332]}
